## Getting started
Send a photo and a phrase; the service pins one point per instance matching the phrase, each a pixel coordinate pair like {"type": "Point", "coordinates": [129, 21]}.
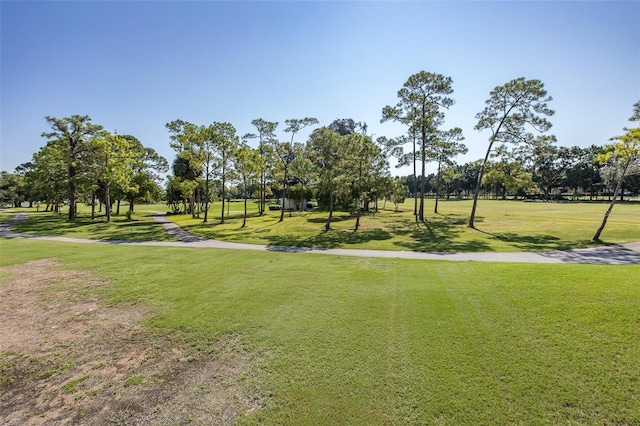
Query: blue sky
{"type": "Point", "coordinates": [134, 66]}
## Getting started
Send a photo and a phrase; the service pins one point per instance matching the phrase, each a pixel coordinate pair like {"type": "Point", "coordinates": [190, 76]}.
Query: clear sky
{"type": "Point", "coordinates": [134, 66]}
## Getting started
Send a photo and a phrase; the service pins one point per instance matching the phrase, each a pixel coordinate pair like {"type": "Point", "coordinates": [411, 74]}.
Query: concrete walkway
{"type": "Point", "coordinates": [623, 254]}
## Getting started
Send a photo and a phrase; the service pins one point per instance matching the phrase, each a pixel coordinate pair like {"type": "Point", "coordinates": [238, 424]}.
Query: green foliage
{"type": "Point", "coordinates": [398, 192]}
{"type": "Point", "coordinates": [203, 154]}
{"type": "Point", "coordinates": [513, 111]}
{"type": "Point", "coordinates": [624, 152]}
{"type": "Point", "coordinates": [70, 136]}
{"type": "Point", "coordinates": [636, 112]}
{"type": "Point", "coordinates": [11, 189]}
{"type": "Point", "coordinates": [421, 98]}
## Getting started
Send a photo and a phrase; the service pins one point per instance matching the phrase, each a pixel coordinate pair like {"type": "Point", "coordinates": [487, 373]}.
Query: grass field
{"type": "Point", "coordinates": [141, 227]}
{"type": "Point", "coordinates": [501, 226]}
{"type": "Point", "coordinates": [383, 341]}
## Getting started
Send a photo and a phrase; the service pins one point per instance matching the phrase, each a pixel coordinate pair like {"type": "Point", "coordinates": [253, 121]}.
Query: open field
{"type": "Point", "coordinates": [502, 226]}
{"type": "Point", "coordinates": [216, 336]}
{"type": "Point", "coordinates": [141, 227]}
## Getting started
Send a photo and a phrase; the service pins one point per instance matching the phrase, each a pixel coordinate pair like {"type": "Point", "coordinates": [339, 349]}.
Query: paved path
{"type": "Point", "coordinates": [605, 255]}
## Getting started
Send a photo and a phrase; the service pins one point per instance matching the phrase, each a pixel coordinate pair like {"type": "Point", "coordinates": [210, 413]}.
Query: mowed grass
{"type": "Point", "coordinates": [141, 226]}
{"type": "Point", "coordinates": [390, 341]}
{"type": "Point", "coordinates": [501, 226]}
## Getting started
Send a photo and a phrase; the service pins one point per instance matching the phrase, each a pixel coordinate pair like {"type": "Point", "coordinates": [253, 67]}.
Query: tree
{"type": "Point", "coordinates": [325, 152]}
{"type": "Point", "coordinates": [266, 134]}
{"type": "Point", "coordinates": [186, 140]}
{"type": "Point", "coordinates": [248, 164]}
{"type": "Point", "coordinates": [11, 189]}
{"type": "Point", "coordinates": [347, 126]}
{"type": "Point", "coordinates": [583, 170]}
{"type": "Point", "coordinates": [146, 164]}
{"type": "Point", "coordinates": [399, 192]}
{"type": "Point", "coordinates": [451, 177]}
{"type": "Point", "coordinates": [72, 134]}
{"type": "Point", "coordinates": [285, 151]}
{"type": "Point", "coordinates": [447, 145]}
{"type": "Point", "coordinates": [301, 170]}
{"type": "Point", "coordinates": [410, 158]}
{"type": "Point", "coordinates": [507, 174]}
{"type": "Point", "coordinates": [388, 148]}
{"type": "Point", "coordinates": [46, 175]}
{"type": "Point", "coordinates": [359, 165]}
{"type": "Point", "coordinates": [112, 157]}
{"type": "Point", "coordinates": [512, 110]}
{"type": "Point", "coordinates": [421, 98]}
{"type": "Point", "coordinates": [624, 151]}
{"type": "Point", "coordinates": [225, 143]}
{"type": "Point", "coordinates": [548, 163]}
{"type": "Point", "coordinates": [636, 112]}
{"type": "Point", "coordinates": [173, 194]}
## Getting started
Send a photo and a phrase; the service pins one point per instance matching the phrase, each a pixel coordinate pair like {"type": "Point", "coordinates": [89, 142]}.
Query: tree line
{"type": "Point", "coordinates": [82, 161]}
{"type": "Point", "coordinates": [340, 165]}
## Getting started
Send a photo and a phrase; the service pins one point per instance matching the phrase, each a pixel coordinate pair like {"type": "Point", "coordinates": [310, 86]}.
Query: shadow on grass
{"type": "Point", "coordinates": [439, 236]}
{"type": "Point", "coordinates": [330, 239]}
{"type": "Point", "coordinates": [335, 218]}
{"type": "Point", "coordinates": [120, 229]}
{"type": "Point", "coordinates": [135, 231]}
{"type": "Point", "coordinates": [531, 242]}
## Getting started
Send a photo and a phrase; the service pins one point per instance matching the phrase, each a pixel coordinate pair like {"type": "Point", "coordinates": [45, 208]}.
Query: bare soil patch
{"type": "Point", "coordinates": [67, 357]}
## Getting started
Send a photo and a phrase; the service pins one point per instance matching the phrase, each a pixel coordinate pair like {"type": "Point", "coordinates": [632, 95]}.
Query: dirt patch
{"type": "Point", "coordinates": [67, 357]}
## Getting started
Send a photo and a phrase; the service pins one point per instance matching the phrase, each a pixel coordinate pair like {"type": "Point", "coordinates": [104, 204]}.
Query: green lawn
{"type": "Point", "coordinates": [141, 227]}
{"type": "Point", "coordinates": [389, 341]}
{"type": "Point", "coordinates": [501, 226]}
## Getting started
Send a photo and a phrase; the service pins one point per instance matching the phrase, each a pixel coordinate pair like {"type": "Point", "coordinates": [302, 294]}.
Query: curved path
{"type": "Point", "coordinates": [604, 255]}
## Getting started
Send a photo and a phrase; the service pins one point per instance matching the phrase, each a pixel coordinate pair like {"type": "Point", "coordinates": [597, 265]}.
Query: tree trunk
{"type": "Point", "coordinates": [72, 192]}
{"type": "Point", "coordinates": [327, 225]}
{"type": "Point", "coordinates": [244, 218]}
{"type": "Point", "coordinates": [192, 204]}
{"type": "Point", "coordinates": [284, 194]}
{"type": "Point", "coordinates": [596, 237]}
{"type": "Point", "coordinates": [118, 207]}
{"type": "Point", "coordinates": [206, 198]}
{"type": "Point", "coordinates": [435, 210]}
{"type": "Point", "coordinates": [415, 181]}
{"type": "Point", "coordinates": [93, 205]}
{"type": "Point", "coordinates": [262, 205]}
{"type": "Point", "coordinates": [223, 192]}
{"type": "Point", "coordinates": [107, 202]}
{"type": "Point", "coordinates": [479, 185]}
{"type": "Point", "coordinates": [263, 193]}
{"type": "Point", "coordinates": [423, 157]}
